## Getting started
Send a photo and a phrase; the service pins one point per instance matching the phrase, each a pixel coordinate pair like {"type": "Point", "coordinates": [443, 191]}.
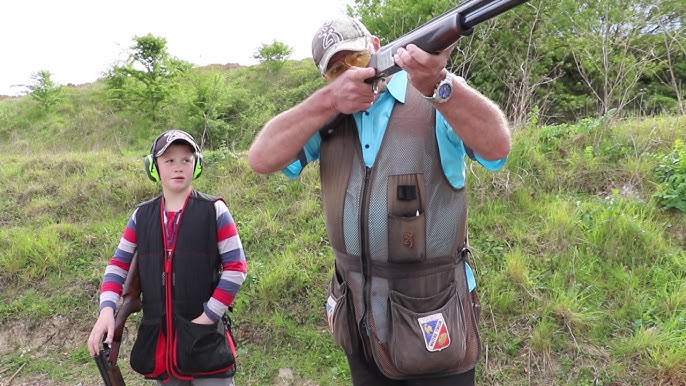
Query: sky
{"type": "Point", "coordinates": [78, 40]}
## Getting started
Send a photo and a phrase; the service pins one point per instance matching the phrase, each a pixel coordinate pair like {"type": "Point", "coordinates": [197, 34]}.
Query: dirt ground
{"type": "Point", "coordinates": [62, 337]}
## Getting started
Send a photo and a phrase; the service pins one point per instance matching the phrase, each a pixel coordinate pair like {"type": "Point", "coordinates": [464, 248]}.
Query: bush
{"type": "Point", "coordinates": [671, 176]}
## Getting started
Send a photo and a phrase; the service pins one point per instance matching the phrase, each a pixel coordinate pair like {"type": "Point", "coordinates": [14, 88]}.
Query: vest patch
{"type": "Point", "coordinates": [330, 306]}
{"type": "Point", "coordinates": [408, 240]}
{"type": "Point", "coordinates": [435, 332]}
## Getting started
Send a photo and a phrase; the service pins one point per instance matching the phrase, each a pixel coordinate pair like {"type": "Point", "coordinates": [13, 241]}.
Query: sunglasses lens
{"type": "Point", "coordinates": [355, 59]}
{"type": "Point", "coordinates": [359, 59]}
{"type": "Point", "coordinates": [335, 71]}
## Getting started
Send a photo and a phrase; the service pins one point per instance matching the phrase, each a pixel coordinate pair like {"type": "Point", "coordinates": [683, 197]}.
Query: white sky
{"type": "Point", "coordinates": [78, 40]}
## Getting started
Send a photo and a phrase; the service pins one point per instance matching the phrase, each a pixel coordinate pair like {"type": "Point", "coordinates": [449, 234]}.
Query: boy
{"type": "Point", "coordinates": [191, 264]}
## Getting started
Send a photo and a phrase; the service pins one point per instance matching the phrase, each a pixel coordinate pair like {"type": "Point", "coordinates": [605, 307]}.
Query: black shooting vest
{"type": "Point", "coordinates": [175, 283]}
{"type": "Point", "coordinates": [398, 231]}
{"type": "Point", "coordinates": [195, 263]}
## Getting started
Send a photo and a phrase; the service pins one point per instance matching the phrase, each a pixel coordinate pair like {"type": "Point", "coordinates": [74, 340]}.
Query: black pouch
{"type": "Point", "coordinates": [202, 349]}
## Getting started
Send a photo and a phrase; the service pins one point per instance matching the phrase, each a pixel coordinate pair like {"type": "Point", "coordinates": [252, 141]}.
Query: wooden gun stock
{"type": "Point", "coordinates": [130, 303]}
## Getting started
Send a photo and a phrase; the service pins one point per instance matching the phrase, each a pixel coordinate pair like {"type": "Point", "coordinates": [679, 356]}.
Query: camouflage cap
{"type": "Point", "coordinates": [341, 34]}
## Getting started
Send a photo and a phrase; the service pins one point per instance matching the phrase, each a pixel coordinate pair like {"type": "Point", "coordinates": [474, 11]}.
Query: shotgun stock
{"type": "Point", "coordinates": [439, 33]}
{"type": "Point", "coordinates": [130, 303]}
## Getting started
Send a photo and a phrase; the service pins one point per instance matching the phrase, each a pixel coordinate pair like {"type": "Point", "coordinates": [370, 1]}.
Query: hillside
{"type": "Point", "coordinates": [579, 244]}
{"type": "Point", "coordinates": [581, 273]}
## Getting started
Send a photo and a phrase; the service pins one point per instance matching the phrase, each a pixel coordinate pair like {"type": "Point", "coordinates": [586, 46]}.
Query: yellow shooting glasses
{"type": "Point", "coordinates": [353, 59]}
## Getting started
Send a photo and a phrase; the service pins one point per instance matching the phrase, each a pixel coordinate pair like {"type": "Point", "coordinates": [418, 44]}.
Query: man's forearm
{"type": "Point", "coordinates": [478, 121]}
{"type": "Point", "coordinates": [278, 143]}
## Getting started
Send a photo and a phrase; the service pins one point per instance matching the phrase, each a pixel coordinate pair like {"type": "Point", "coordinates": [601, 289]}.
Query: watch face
{"type": "Point", "coordinates": [445, 90]}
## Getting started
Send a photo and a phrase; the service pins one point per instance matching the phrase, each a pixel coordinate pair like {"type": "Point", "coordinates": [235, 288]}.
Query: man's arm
{"type": "Point", "coordinates": [477, 120]}
{"type": "Point", "coordinates": [278, 143]}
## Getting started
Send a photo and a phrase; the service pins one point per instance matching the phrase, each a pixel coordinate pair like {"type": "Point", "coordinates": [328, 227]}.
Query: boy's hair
{"type": "Point", "coordinates": [162, 143]}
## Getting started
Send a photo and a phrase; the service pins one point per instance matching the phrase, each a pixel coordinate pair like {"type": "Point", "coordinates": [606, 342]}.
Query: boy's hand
{"type": "Point", "coordinates": [202, 319]}
{"type": "Point", "coordinates": [104, 326]}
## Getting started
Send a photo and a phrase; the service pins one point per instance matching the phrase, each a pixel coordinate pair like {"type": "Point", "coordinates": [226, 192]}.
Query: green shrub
{"type": "Point", "coordinates": [671, 177]}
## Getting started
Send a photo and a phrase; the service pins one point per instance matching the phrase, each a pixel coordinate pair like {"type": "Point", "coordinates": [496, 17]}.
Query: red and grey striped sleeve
{"type": "Point", "coordinates": [233, 263]}
{"type": "Point", "coordinates": [118, 267]}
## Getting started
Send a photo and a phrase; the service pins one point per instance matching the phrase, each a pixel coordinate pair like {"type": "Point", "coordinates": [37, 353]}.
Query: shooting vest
{"type": "Point", "coordinates": [175, 283]}
{"type": "Point", "coordinates": [398, 231]}
{"type": "Point", "coordinates": [195, 261]}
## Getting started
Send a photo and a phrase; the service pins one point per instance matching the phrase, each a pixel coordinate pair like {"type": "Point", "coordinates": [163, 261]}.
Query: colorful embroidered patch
{"type": "Point", "coordinates": [330, 306]}
{"type": "Point", "coordinates": [435, 332]}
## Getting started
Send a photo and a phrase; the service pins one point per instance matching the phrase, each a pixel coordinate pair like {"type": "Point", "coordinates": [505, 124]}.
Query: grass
{"type": "Point", "coordinates": [581, 273]}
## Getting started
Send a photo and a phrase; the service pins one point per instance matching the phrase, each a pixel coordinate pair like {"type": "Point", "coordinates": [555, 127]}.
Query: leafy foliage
{"type": "Point", "coordinates": [273, 55]}
{"type": "Point", "coordinates": [570, 60]}
{"type": "Point", "coordinates": [45, 91]}
{"type": "Point", "coordinates": [147, 80]}
{"type": "Point", "coordinates": [671, 178]}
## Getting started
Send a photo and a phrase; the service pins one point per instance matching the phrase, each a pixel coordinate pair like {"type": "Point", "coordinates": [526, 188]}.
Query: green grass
{"type": "Point", "coordinates": [581, 272]}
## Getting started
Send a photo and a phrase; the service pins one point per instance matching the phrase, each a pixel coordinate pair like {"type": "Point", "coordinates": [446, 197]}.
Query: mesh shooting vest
{"type": "Point", "coordinates": [398, 231]}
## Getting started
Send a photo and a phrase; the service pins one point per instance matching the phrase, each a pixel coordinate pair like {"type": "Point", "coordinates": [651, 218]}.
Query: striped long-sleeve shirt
{"type": "Point", "coordinates": [232, 259]}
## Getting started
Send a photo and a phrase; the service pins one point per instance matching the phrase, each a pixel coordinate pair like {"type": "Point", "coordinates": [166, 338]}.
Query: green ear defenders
{"type": "Point", "coordinates": [161, 144]}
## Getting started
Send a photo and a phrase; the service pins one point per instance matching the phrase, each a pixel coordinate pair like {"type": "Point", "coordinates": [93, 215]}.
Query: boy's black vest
{"type": "Point", "coordinates": [175, 283]}
{"type": "Point", "coordinates": [195, 260]}
{"type": "Point", "coordinates": [398, 231]}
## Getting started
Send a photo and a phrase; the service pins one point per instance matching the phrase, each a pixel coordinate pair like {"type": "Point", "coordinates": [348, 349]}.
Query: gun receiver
{"type": "Point", "coordinates": [130, 303]}
{"type": "Point", "coordinates": [440, 32]}
{"type": "Point", "coordinates": [110, 373]}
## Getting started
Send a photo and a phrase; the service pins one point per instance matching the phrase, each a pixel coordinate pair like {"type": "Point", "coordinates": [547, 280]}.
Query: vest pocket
{"type": "Point", "coordinates": [201, 348]}
{"type": "Point", "coordinates": [406, 218]}
{"type": "Point", "coordinates": [338, 314]}
{"type": "Point", "coordinates": [427, 335]}
{"type": "Point", "coordinates": [148, 352]}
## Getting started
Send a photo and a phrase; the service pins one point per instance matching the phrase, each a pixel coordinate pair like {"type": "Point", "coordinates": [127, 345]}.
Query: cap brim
{"type": "Point", "coordinates": [358, 44]}
{"type": "Point", "coordinates": [177, 140]}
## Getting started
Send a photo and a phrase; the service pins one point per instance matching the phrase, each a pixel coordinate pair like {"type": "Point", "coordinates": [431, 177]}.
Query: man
{"type": "Point", "coordinates": [402, 303]}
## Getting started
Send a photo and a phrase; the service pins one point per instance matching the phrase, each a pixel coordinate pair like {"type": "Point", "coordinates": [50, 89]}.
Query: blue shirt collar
{"type": "Point", "coordinates": [397, 87]}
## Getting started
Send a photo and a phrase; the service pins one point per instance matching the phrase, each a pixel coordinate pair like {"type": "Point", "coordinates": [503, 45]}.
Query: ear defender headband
{"type": "Point", "coordinates": [170, 137]}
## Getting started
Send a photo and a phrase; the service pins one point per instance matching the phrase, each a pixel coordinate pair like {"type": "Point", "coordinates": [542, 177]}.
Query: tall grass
{"type": "Point", "coordinates": [581, 271]}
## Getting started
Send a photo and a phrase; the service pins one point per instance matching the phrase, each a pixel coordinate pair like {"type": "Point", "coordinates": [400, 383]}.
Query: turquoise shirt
{"type": "Point", "coordinates": [371, 126]}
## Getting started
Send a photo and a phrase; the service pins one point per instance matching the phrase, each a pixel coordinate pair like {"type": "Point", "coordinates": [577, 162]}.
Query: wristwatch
{"type": "Point", "coordinates": [443, 90]}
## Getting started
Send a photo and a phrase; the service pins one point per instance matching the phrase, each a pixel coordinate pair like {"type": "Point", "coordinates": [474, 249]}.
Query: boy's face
{"type": "Point", "coordinates": [176, 167]}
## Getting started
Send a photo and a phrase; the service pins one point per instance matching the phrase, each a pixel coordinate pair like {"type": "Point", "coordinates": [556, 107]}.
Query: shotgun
{"type": "Point", "coordinates": [439, 33]}
{"type": "Point", "coordinates": [434, 36]}
{"type": "Point", "coordinates": [130, 303]}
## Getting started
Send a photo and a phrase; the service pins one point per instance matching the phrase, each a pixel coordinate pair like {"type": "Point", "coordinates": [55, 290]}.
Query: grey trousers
{"type": "Point", "coordinates": [200, 382]}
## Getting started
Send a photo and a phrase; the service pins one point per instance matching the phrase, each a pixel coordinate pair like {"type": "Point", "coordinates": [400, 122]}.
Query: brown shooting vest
{"type": "Point", "coordinates": [398, 231]}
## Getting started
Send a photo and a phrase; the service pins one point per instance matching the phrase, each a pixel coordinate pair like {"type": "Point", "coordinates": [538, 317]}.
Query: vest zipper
{"type": "Point", "coordinates": [366, 271]}
{"type": "Point", "coordinates": [168, 280]}
{"type": "Point", "coordinates": [168, 307]}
